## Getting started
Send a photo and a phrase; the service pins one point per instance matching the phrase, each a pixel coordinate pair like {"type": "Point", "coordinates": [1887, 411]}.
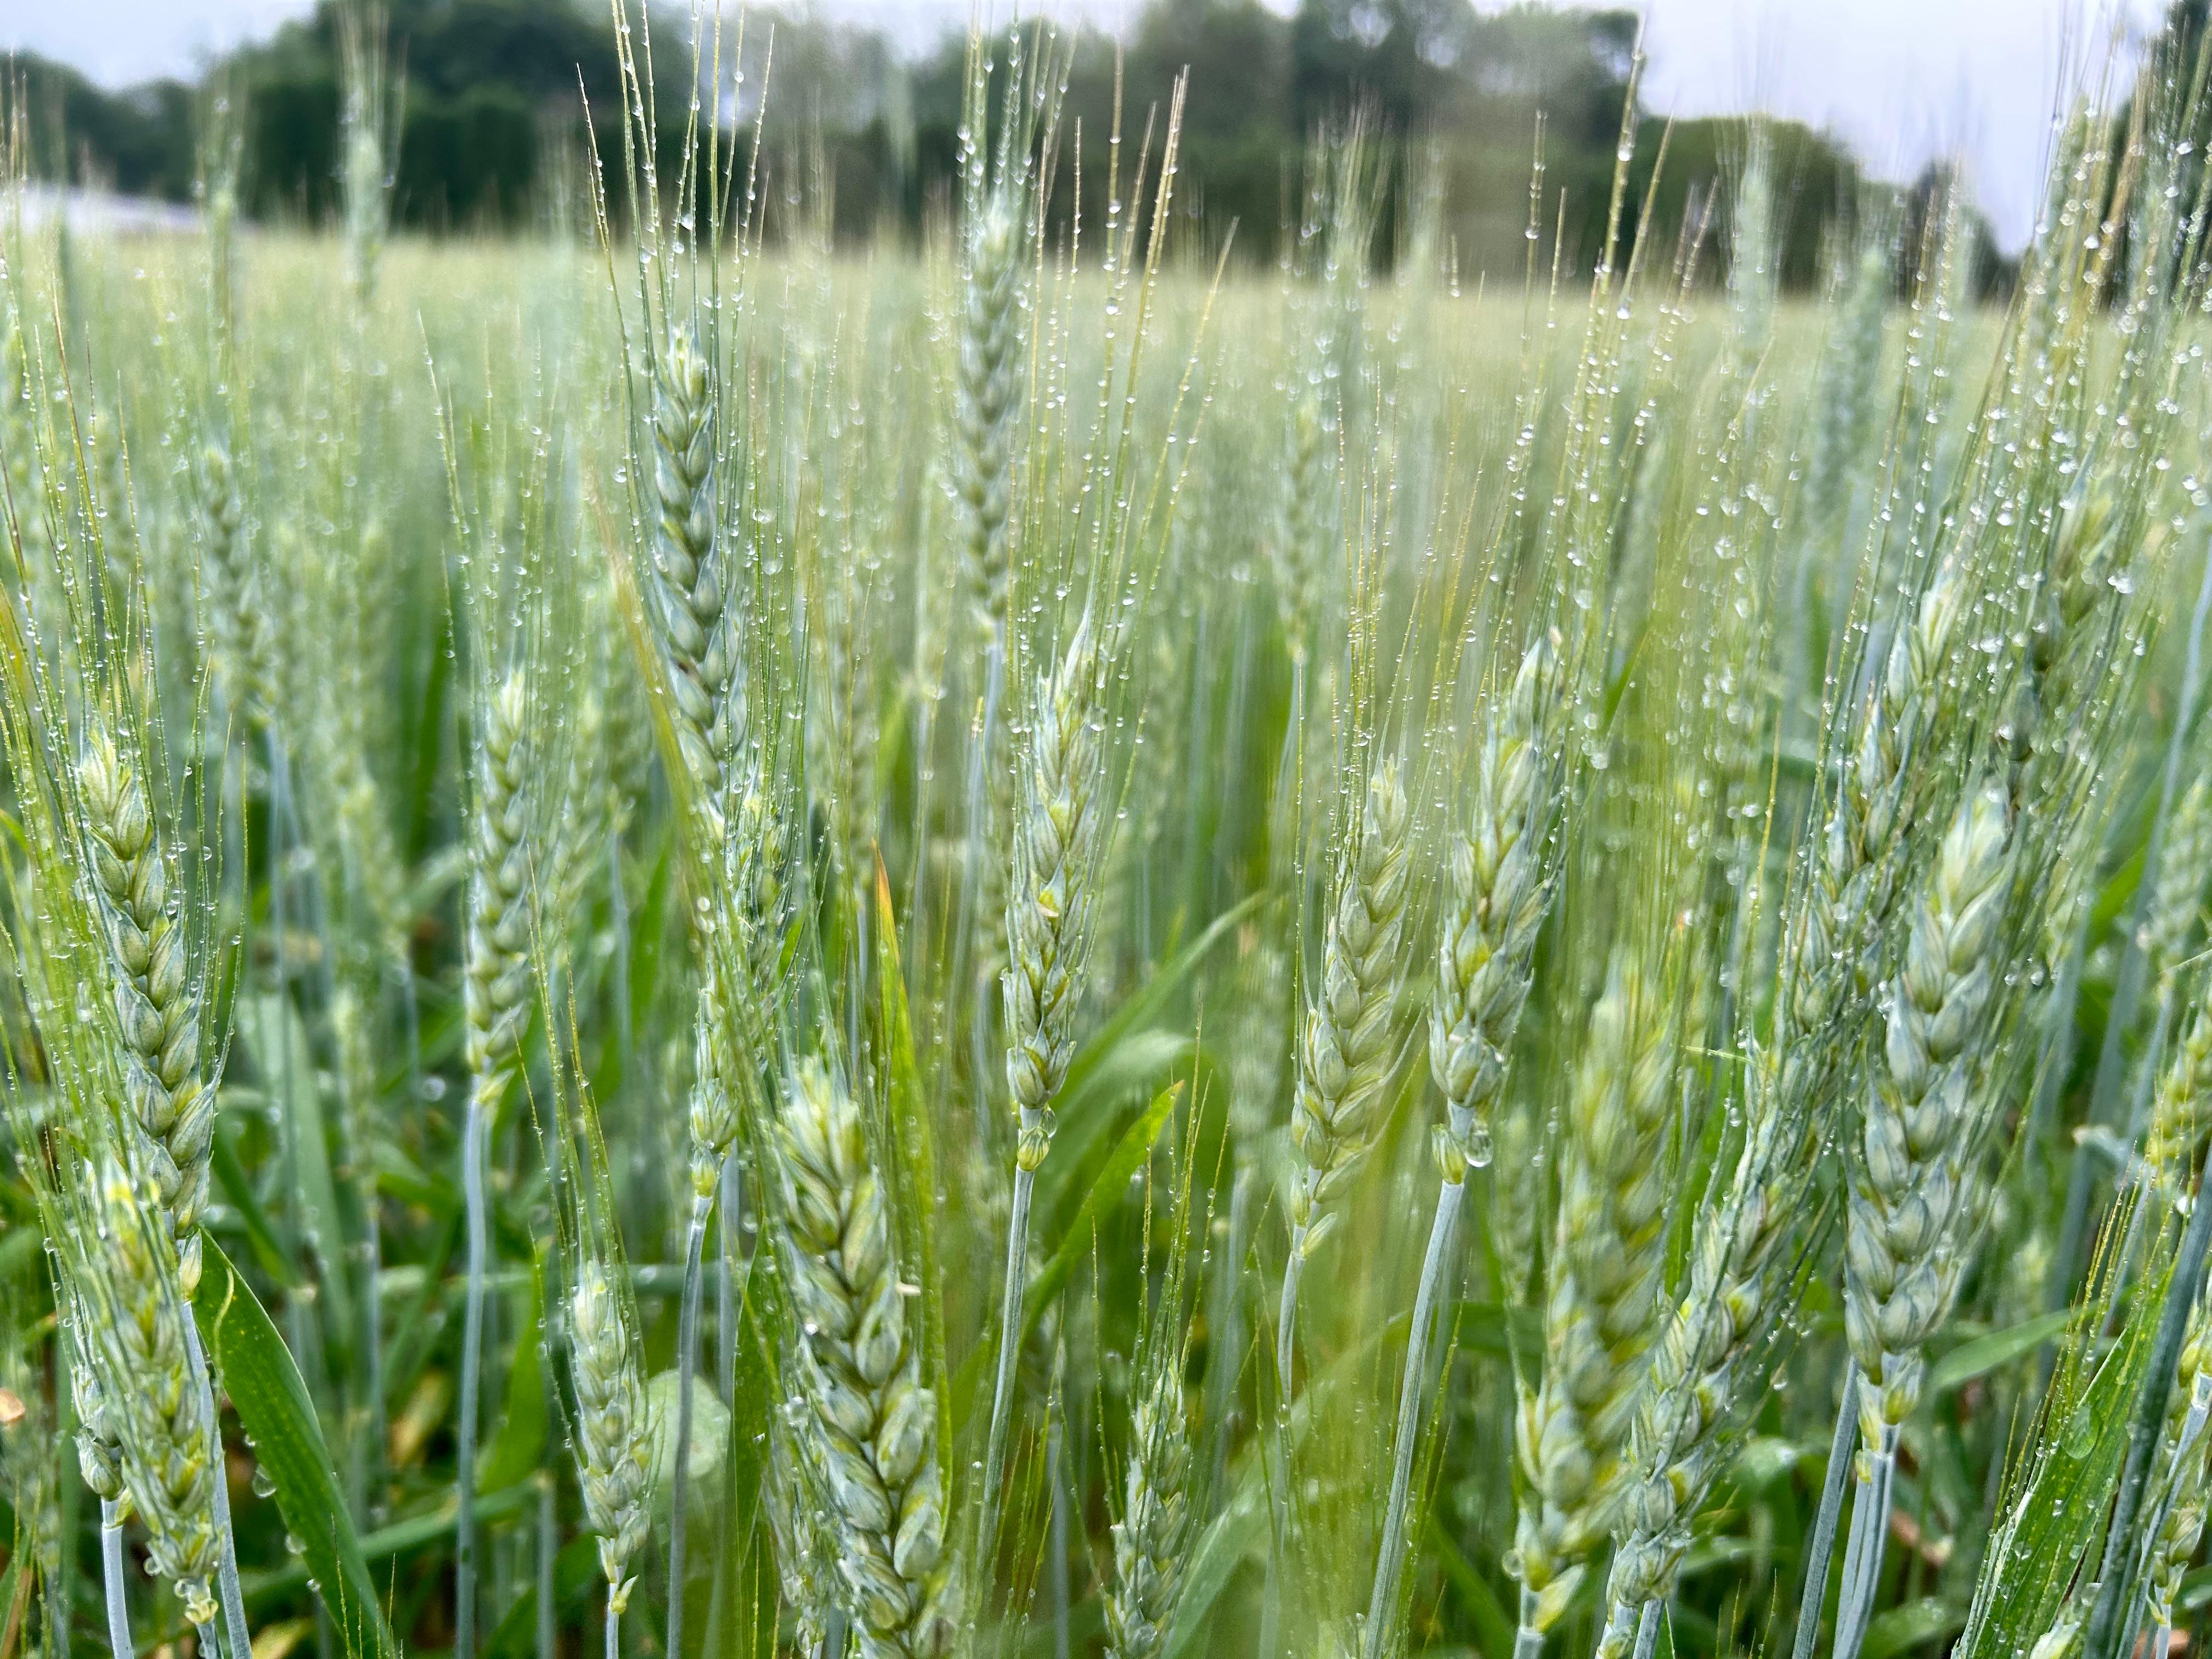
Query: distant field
{"type": "Point", "coordinates": [727, 947]}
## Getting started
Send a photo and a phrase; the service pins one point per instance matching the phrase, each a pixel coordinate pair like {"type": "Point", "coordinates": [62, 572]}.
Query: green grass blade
{"type": "Point", "coordinates": [272, 1404]}
{"type": "Point", "coordinates": [1985, 1354]}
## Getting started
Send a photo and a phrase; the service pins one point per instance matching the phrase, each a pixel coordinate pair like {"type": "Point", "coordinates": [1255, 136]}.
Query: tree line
{"type": "Point", "coordinates": [501, 101]}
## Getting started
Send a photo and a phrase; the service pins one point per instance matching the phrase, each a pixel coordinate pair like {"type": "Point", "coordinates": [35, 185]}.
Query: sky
{"type": "Point", "coordinates": [1904, 81]}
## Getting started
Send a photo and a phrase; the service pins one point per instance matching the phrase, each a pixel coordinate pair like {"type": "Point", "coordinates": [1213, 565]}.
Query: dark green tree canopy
{"type": "Point", "coordinates": [500, 97]}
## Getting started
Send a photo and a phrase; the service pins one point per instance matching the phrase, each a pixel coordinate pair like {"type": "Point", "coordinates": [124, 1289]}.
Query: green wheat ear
{"type": "Point", "coordinates": [873, 1421]}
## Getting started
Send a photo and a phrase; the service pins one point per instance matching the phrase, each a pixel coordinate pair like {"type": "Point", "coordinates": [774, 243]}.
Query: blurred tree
{"type": "Point", "coordinates": [497, 93]}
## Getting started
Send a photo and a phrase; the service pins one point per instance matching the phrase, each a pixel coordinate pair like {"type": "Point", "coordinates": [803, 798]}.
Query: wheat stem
{"type": "Point", "coordinates": [1821, 1549]}
{"type": "Point", "coordinates": [464, 1478]}
{"type": "Point", "coordinates": [687, 1365]}
{"type": "Point", "coordinates": [119, 1645]}
{"type": "Point", "coordinates": [1010, 1345]}
{"type": "Point", "coordinates": [1056, 1482]}
{"type": "Point", "coordinates": [1390, 1558]}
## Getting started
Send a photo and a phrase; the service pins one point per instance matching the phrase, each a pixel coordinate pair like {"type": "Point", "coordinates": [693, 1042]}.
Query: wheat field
{"type": "Point", "coordinates": [719, 945]}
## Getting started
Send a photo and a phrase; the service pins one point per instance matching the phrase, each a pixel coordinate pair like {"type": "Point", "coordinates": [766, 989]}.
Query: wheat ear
{"type": "Point", "coordinates": [875, 1423]}
{"type": "Point", "coordinates": [100, 1460]}
{"type": "Point", "coordinates": [1050, 914]}
{"type": "Point", "coordinates": [987, 389]}
{"type": "Point", "coordinates": [496, 1007]}
{"type": "Point", "coordinates": [171, 1109]}
{"type": "Point", "coordinates": [689, 582]}
{"type": "Point", "coordinates": [1499, 890]}
{"type": "Point", "coordinates": [1344, 1038]}
{"type": "Point", "coordinates": [1151, 1537]}
{"type": "Point", "coordinates": [1601, 1311]}
{"type": "Point", "coordinates": [614, 1437]}
{"type": "Point", "coordinates": [242, 647]}
{"type": "Point", "coordinates": [161, 1414]}
{"type": "Point", "coordinates": [1912, 1197]}
{"type": "Point", "coordinates": [2169, 1543]}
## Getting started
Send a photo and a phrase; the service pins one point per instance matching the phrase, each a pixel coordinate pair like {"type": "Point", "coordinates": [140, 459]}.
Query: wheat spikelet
{"type": "Point", "coordinates": [1499, 889]}
{"type": "Point", "coordinates": [2064, 650]}
{"type": "Point", "coordinates": [242, 652]}
{"type": "Point", "coordinates": [99, 1454]}
{"type": "Point", "coordinates": [1709, 1356]}
{"type": "Point", "coordinates": [713, 1103]}
{"type": "Point", "coordinates": [2184, 1463]}
{"type": "Point", "coordinates": [2177, 895]}
{"type": "Point", "coordinates": [875, 1424]}
{"type": "Point", "coordinates": [1050, 910]}
{"type": "Point", "coordinates": [2176, 1117]}
{"type": "Point", "coordinates": [19, 443]}
{"type": "Point", "coordinates": [1903, 1251]}
{"type": "Point", "coordinates": [690, 579]}
{"type": "Point", "coordinates": [1295, 551]}
{"type": "Point", "coordinates": [614, 1438]}
{"type": "Point", "coordinates": [496, 1004]}
{"type": "Point", "coordinates": [1345, 1040]}
{"type": "Point", "coordinates": [1601, 1311]}
{"type": "Point", "coordinates": [1151, 1540]}
{"type": "Point", "coordinates": [1847, 407]}
{"type": "Point", "coordinates": [988, 394]}
{"type": "Point", "coordinates": [1854, 878]}
{"type": "Point", "coordinates": [171, 1108]}
{"type": "Point", "coordinates": [363, 171]}
{"type": "Point", "coordinates": [163, 1415]}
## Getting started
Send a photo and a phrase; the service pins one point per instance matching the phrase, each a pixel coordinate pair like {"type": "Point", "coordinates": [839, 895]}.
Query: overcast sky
{"type": "Point", "coordinates": [1903, 80]}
